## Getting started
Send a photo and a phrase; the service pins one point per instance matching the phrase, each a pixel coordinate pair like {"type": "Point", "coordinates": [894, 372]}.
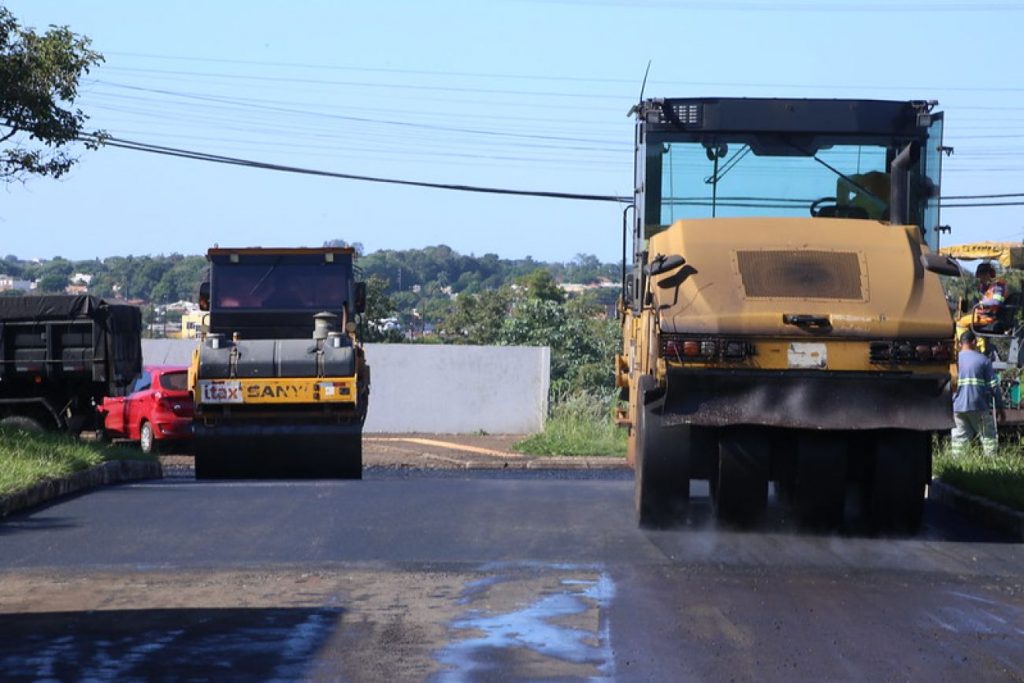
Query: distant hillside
{"type": "Point", "coordinates": [424, 273]}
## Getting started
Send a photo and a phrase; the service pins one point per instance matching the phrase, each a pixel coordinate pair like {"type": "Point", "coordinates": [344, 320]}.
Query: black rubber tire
{"type": "Point", "coordinates": [784, 466]}
{"type": "Point", "coordinates": [899, 470]}
{"type": "Point", "coordinates": [21, 423]}
{"type": "Point", "coordinates": [740, 487]}
{"type": "Point", "coordinates": [819, 491]}
{"type": "Point", "coordinates": [661, 476]}
{"type": "Point", "coordinates": [147, 438]}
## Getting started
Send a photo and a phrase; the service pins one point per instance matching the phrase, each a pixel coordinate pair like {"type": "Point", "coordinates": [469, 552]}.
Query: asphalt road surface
{"type": "Point", "coordinates": [486, 576]}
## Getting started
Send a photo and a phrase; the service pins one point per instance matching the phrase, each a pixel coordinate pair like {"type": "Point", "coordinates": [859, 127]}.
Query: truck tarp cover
{"type": "Point", "coordinates": [120, 327]}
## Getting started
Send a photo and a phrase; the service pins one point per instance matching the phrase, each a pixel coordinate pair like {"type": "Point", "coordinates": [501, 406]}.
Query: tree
{"type": "Point", "coordinates": [478, 318]}
{"type": "Point", "coordinates": [54, 275]}
{"type": "Point", "coordinates": [379, 309]}
{"type": "Point", "coordinates": [357, 246]}
{"type": "Point", "coordinates": [541, 285]}
{"type": "Point", "coordinates": [582, 342]}
{"type": "Point", "coordinates": [39, 75]}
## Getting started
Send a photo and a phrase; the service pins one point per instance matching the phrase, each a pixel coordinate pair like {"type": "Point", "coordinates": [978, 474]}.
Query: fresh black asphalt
{"type": "Point", "coordinates": [494, 576]}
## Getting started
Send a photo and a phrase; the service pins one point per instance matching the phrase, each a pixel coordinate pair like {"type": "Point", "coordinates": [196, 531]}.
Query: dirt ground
{"type": "Point", "coordinates": [448, 451]}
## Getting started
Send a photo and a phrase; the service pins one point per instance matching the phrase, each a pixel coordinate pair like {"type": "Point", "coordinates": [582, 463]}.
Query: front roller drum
{"type": "Point", "coordinates": [263, 451]}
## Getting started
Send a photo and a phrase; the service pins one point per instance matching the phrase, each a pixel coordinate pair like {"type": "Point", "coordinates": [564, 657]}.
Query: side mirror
{"type": "Point", "coordinates": [937, 263]}
{"type": "Point", "coordinates": [360, 297]}
{"type": "Point", "coordinates": [204, 296]}
{"type": "Point", "coordinates": [663, 264]}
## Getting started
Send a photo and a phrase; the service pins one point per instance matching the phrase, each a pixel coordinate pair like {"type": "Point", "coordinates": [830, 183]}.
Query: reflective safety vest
{"type": "Point", "coordinates": [977, 385]}
{"type": "Point", "coordinates": [992, 299]}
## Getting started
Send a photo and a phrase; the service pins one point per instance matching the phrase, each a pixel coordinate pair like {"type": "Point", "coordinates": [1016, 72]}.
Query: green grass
{"type": "Point", "coordinates": [999, 478]}
{"type": "Point", "coordinates": [26, 459]}
{"type": "Point", "coordinates": [580, 424]}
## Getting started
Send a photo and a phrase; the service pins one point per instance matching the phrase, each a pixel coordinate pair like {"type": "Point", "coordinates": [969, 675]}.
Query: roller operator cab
{"type": "Point", "coordinates": [279, 380]}
{"type": "Point", "coordinates": [784, 321]}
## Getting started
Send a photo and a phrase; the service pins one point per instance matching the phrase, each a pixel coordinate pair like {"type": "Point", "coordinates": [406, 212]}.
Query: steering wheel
{"type": "Point", "coordinates": [818, 203]}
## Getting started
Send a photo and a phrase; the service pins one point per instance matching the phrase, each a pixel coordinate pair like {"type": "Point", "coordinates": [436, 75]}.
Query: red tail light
{"type": "Point", "coordinates": [909, 352]}
{"type": "Point", "coordinates": [683, 350]}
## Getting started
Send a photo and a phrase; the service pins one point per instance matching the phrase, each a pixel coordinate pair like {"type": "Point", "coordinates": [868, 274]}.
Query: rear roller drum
{"type": "Point", "coordinates": [661, 477]}
{"type": "Point", "coordinates": [819, 490]}
{"type": "Point", "coordinates": [899, 469]}
{"type": "Point", "coordinates": [740, 484]}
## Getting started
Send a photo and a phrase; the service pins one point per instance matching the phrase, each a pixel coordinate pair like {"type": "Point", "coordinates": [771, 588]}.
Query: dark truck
{"type": "Point", "coordinates": [60, 356]}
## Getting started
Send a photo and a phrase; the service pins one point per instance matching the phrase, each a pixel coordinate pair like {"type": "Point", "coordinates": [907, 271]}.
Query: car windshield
{"type": "Point", "coordinates": [174, 381]}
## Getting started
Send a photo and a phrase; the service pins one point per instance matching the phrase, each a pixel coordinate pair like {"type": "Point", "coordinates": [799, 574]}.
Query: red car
{"type": "Point", "coordinates": [158, 410]}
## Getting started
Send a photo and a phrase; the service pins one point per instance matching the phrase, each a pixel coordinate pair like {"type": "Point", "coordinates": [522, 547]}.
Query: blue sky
{"type": "Point", "coordinates": [525, 94]}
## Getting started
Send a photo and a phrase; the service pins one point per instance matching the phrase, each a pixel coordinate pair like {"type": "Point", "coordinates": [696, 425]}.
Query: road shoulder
{"type": "Point", "coordinates": [111, 472]}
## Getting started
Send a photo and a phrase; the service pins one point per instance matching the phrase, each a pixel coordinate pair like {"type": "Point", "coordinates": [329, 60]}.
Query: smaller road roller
{"type": "Point", "coordinates": [279, 377]}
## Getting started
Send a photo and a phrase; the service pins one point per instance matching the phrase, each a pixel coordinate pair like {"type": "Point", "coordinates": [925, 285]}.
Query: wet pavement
{"type": "Point", "coordinates": [416, 575]}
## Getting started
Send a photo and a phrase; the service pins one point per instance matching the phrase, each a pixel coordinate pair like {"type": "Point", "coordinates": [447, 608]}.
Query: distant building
{"type": "Point", "coordinates": [81, 279]}
{"type": "Point", "coordinates": [10, 282]}
{"type": "Point", "coordinates": [194, 323]}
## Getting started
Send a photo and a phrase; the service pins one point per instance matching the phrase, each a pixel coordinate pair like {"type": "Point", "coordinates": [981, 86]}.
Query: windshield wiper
{"type": "Point", "coordinates": [728, 166]}
{"type": "Point", "coordinates": [263, 279]}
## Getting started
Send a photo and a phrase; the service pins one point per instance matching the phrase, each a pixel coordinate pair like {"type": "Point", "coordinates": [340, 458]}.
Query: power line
{"type": "Point", "coordinates": [986, 196]}
{"type": "Point", "coordinates": [363, 84]}
{"type": "Point", "coordinates": [235, 161]}
{"type": "Point", "coordinates": [972, 205]}
{"type": "Point", "coordinates": [623, 97]}
{"type": "Point", "coordinates": [360, 119]}
{"type": "Point", "coordinates": [619, 199]}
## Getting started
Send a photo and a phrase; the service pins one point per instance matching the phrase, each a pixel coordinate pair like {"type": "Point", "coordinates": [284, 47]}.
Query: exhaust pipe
{"type": "Point", "coordinates": [899, 190]}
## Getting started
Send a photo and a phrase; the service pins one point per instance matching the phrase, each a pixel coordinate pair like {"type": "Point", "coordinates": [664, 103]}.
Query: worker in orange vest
{"type": "Point", "coordinates": [986, 312]}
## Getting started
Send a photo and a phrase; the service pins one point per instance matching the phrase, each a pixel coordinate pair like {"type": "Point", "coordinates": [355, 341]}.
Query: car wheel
{"type": "Point", "coordinates": [147, 442]}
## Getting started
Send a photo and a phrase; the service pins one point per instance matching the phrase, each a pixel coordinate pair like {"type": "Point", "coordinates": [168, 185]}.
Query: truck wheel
{"type": "Point", "coordinates": [819, 491]}
{"type": "Point", "coordinates": [147, 441]}
{"type": "Point", "coordinates": [899, 470]}
{"type": "Point", "coordinates": [21, 423]}
{"type": "Point", "coordinates": [661, 476]}
{"type": "Point", "coordinates": [740, 487]}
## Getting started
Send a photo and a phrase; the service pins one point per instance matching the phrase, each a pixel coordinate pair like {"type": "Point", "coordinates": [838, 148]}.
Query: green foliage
{"type": "Point", "coordinates": [478, 318]}
{"type": "Point", "coordinates": [53, 283]}
{"type": "Point", "coordinates": [39, 73]}
{"type": "Point", "coordinates": [541, 285]}
{"type": "Point", "coordinates": [581, 423]}
{"type": "Point", "coordinates": [583, 341]}
{"type": "Point", "coordinates": [379, 308]}
{"type": "Point", "coordinates": [27, 459]}
{"type": "Point", "coordinates": [999, 478]}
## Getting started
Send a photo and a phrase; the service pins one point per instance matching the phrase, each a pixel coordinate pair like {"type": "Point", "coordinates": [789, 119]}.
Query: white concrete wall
{"type": "Point", "coordinates": [457, 389]}
{"type": "Point", "coordinates": [436, 389]}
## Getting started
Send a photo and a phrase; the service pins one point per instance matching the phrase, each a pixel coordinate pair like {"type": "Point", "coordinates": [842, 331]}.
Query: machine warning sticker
{"type": "Point", "coordinates": [807, 356]}
{"type": "Point", "coordinates": [220, 391]}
